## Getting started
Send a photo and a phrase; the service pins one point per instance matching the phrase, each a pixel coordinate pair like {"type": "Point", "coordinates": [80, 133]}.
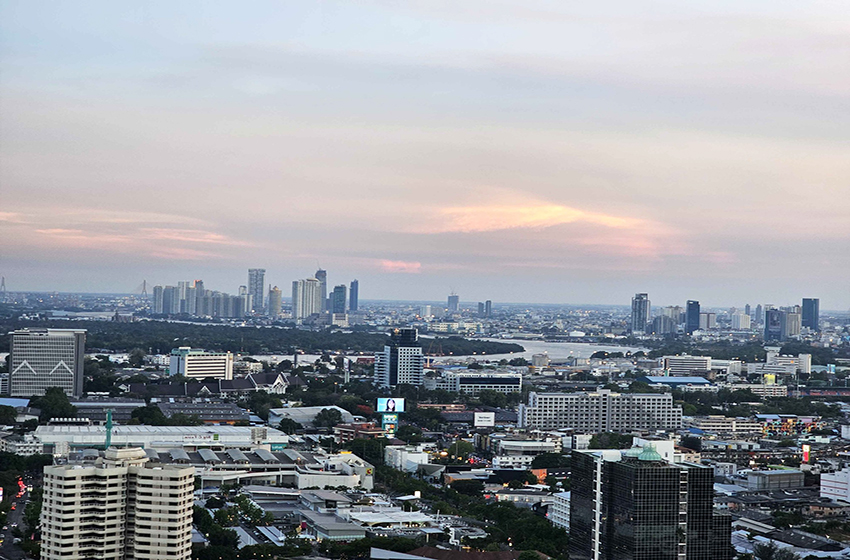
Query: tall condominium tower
{"type": "Point", "coordinates": [640, 313]}
{"type": "Point", "coordinates": [691, 316]}
{"type": "Point", "coordinates": [257, 288]}
{"type": "Point", "coordinates": [45, 358]}
{"type": "Point", "coordinates": [773, 325]}
{"type": "Point", "coordinates": [353, 296]}
{"type": "Point", "coordinates": [338, 299]}
{"type": "Point", "coordinates": [401, 361]}
{"type": "Point", "coordinates": [306, 298]}
{"type": "Point", "coordinates": [811, 313]}
{"type": "Point", "coordinates": [488, 308]}
{"type": "Point", "coordinates": [275, 301]}
{"type": "Point", "coordinates": [322, 277]}
{"type": "Point", "coordinates": [117, 508]}
{"type": "Point", "coordinates": [632, 504]}
{"type": "Point", "coordinates": [454, 303]}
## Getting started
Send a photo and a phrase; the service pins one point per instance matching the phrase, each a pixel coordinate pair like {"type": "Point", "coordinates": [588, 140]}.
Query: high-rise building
{"type": "Point", "coordinates": [118, 508]}
{"type": "Point", "coordinates": [640, 313]}
{"type": "Point", "coordinates": [811, 313]}
{"type": "Point", "coordinates": [691, 316]}
{"type": "Point", "coordinates": [338, 299]}
{"type": "Point", "coordinates": [634, 505]}
{"type": "Point", "coordinates": [257, 288]}
{"type": "Point", "coordinates": [600, 411]}
{"type": "Point", "coordinates": [759, 314]}
{"type": "Point", "coordinates": [306, 298]}
{"type": "Point", "coordinates": [353, 296]}
{"type": "Point", "coordinates": [773, 325]}
{"type": "Point", "coordinates": [171, 300]}
{"type": "Point", "coordinates": [488, 308]}
{"type": "Point", "coordinates": [454, 303]}
{"type": "Point", "coordinates": [707, 321]}
{"type": "Point", "coordinates": [199, 364]}
{"type": "Point", "coordinates": [45, 358]}
{"type": "Point", "coordinates": [747, 310]}
{"type": "Point", "coordinates": [741, 321]}
{"type": "Point", "coordinates": [792, 321]}
{"type": "Point", "coordinates": [401, 361]}
{"type": "Point", "coordinates": [663, 324]}
{"type": "Point", "coordinates": [157, 300]}
{"type": "Point", "coordinates": [275, 302]}
{"type": "Point", "coordinates": [322, 277]}
{"type": "Point", "coordinates": [480, 308]}
{"type": "Point", "coordinates": [674, 312]}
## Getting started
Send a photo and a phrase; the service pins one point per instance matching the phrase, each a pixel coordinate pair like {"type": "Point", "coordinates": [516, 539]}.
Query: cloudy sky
{"type": "Point", "coordinates": [565, 152]}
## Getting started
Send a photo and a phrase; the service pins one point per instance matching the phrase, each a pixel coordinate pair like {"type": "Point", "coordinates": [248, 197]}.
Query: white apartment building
{"type": "Point", "coordinates": [761, 389]}
{"type": "Point", "coordinates": [45, 358]}
{"type": "Point", "coordinates": [199, 364]}
{"type": "Point", "coordinates": [741, 321]}
{"type": "Point", "coordinates": [406, 458]}
{"type": "Point", "coordinates": [473, 382]}
{"type": "Point", "coordinates": [306, 298]}
{"type": "Point", "coordinates": [687, 365]}
{"type": "Point", "coordinates": [559, 510]}
{"type": "Point", "coordinates": [24, 445]}
{"type": "Point", "coordinates": [725, 425]}
{"type": "Point", "coordinates": [836, 486]}
{"type": "Point", "coordinates": [519, 454]}
{"type": "Point", "coordinates": [600, 411]}
{"type": "Point", "coordinates": [117, 508]}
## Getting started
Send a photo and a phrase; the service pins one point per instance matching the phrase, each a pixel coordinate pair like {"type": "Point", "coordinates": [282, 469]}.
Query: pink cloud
{"type": "Point", "coordinates": [401, 267]}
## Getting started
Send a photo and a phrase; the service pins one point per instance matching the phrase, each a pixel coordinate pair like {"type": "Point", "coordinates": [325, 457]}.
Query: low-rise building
{"type": "Point", "coordinates": [24, 445]}
{"type": "Point", "coordinates": [559, 510]}
{"type": "Point", "coordinates": [200, 364]}
{"type": "Point", "coordinates": [836, 486]}
{"type": "Point", "coordinates": [761, 481]}
{"type": "Point", "coordinates": [406, 458]}
{"type": "Point", "coordinates": [358, 430]}
{"type": "Point", "coordinates": [725, 425]}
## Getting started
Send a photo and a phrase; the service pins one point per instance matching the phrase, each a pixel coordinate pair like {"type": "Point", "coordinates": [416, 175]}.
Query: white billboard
{"type": "Point", "coordinates": [484, 419]}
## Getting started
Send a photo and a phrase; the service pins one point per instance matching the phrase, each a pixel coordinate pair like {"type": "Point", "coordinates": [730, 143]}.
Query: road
{"type": "Point", "coordinates": [9, 551]}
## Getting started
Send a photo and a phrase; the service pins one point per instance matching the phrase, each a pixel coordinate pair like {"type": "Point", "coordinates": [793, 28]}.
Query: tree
{"type": "Point", "coordinates": [289, 426]}
{"type": "Point", "coordinates": [469, 487]}
{"type": "Point", "coordinates": [327, 418]}
{"type": "Point", "coordinates": [610, 440]}
{"type": "Point", "coordinates": [771, 551]}
{"type": "Point", "coordinates": [8, 415]}
{"type": "Point", "coordinates": [136, 358]}
{"type": "Point", "coordinates": [149, 415]}
{"type": "Point", "coordinates": [54, 404]}
{"type": "Point", "coordinates": [550, 461]}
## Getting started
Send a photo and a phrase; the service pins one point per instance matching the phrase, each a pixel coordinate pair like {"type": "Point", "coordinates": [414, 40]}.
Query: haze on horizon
{"type": "Point", "coordinates": [514, 151]}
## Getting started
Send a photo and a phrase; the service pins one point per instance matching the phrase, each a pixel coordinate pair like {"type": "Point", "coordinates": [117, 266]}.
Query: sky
{"type": "Point", "coordinates": [529, 151]}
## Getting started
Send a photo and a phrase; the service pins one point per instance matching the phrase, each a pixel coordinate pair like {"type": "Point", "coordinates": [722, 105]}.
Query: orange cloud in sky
{"type": "Point", "coordinates": [401, 267]}
{"type": "Point", "coordinates": [469, 219]}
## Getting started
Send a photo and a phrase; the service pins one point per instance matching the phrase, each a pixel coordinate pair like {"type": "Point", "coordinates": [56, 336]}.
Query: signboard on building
{"type": "Point", "coordinates": [390, 405]}
{"type": "Point", "coordinates": [484, 419]}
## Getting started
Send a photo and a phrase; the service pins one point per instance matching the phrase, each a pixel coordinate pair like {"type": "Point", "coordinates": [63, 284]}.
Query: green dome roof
{"type": "Point", "coordinates": [632, 453]}
{"type": "Point", "coordinates": [649, 454]}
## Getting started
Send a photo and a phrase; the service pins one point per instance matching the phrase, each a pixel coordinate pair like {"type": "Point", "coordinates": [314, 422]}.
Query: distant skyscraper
{"type": "Point", "coordinates": [338, 299]}
{"type": "Point", "coordinates": [741, 321]}
{"type": "Point", "coordinates": [353, 296]}
{"type": "Point", "coordinates": [707, 321]}
{"type": "Point", "coordinates": [640, 313]}
{"type": "Point", "coordinates": [488, 308]}
{"type": "Point", "coordinates": [257, 288]}
{"type": "Point", "coordinates": [691, 316]}
{"type": "Point", "coordinates": [811, 313]}
{"type": "Point", "coordinates": [759, 314]}
{"type": "Point", "coordinates": [663, 324]}
{"type": "Point", "coordinates": [306, 298]}
{"type": "Point", "coordinates": [747, 310]}
{"type": "Point", "coordinates": [157, 300]}
{"type": "Point", "coordinates": [480, 308]}
{"type": "Point", "coordinates": [773, 325]}
{"type": "Point", "coordinates": [171, 300]}
{"type": "Point", "coordinates": [792, 322]}
{"type": "Point", "coordinates": [322, 277]}
{"type": "Point", "coordinates": [454, 303]}
{"type": "Point", "coordinates": [45, 358]}
{"type": "Point", "coordinates": [275, 301]}
{"type": "Point", "coordinates": [401, 362]}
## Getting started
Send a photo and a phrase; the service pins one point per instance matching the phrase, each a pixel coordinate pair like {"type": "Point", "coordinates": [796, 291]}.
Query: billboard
{"type": "Point", "coordinates": [806, 451]}
{"type": "Point", "coordinates": [389, 422]}
{"type": "Point", "coordinates": [390, 405]}
{"type": "Point", "coordinates": [484, 419]}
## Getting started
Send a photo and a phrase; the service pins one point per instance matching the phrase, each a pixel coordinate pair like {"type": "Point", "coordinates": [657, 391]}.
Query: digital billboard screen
{"type": "Point", "coordinates": [390, 405]}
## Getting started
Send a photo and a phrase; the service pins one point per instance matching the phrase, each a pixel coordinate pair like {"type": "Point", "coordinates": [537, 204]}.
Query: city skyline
{"type": "Point", "coordinates": [534, 153]}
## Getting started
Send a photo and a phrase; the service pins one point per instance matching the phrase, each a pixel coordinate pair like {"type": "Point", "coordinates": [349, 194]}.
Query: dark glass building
{"type": "Point", "coordinates": [811, 313]}
{"type": "Point", "coordinates": [633, 505]}
{"type": "Point", "coordinates": [773, 325]}
{"type": "Point", "coordinates": [353, 295]}
{"type": "Point", "coordinates": [692, 316]}
{"type": "Point", "coordinates": [338, 299]}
